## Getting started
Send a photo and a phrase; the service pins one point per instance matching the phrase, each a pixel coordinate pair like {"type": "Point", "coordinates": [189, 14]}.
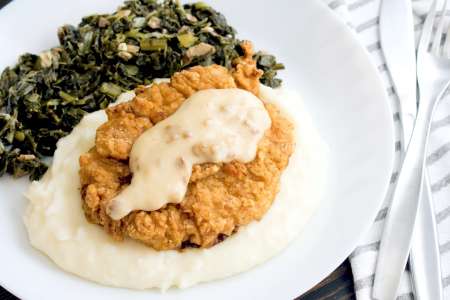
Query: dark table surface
{"type": "Point", "coordinates": [337, 286]}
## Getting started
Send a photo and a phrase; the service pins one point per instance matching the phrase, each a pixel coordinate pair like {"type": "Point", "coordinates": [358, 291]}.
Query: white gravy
{"type": "Point", "coordinates": [228, 125]}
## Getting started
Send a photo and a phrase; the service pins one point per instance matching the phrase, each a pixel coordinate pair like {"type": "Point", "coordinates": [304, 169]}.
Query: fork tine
{"type": "Point", "coordinates": [446, 49]}
{"type": "Point", "coordinates": [428, 28]}
{"type": "Point", "coordinates": [436, 48]}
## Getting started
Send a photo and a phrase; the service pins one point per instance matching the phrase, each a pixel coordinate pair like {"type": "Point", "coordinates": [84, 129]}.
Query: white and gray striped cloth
{"type": "Point", "coordinates": [363, 17]}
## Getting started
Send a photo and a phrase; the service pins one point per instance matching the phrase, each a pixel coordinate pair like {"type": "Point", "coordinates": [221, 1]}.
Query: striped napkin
{"type": "Point", "coordinates": [363, 17]}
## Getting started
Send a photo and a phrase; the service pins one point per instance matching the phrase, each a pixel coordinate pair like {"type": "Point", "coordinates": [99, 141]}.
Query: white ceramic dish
{"type": "Point", "coordinates": [342, 91]}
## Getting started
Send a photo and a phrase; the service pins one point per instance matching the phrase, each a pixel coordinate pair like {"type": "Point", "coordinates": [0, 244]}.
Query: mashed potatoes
{"type": "Point", "coordinates": [57, 226]}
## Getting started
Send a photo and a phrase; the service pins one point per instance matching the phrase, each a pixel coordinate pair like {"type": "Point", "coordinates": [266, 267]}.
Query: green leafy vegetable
{"type": "Point", "coordinates": [186, 39]}
{"type": "Point", "coordinates": [44, 96]}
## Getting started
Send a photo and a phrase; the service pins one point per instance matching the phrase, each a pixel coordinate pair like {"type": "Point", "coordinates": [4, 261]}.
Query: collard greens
{"type": "Point", "coordinates": [44, 96]}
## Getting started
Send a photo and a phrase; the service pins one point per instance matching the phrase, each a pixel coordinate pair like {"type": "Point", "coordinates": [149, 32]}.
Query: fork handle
{"type": "Point", "coordinates": [399, 225]}
{"type": "Point", "coordinates": [424, 258]}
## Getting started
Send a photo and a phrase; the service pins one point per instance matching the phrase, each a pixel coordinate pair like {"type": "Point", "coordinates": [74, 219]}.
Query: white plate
{"type": "Point", "coordinates": [343, 92]}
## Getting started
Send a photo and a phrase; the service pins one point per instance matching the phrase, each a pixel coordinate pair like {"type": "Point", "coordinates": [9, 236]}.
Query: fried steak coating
{"type": "Point", "coordinates": [220, 197]}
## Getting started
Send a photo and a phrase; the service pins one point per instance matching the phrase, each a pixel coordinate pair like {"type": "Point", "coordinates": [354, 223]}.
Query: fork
{"type": "Point", "coordinates": [433, 73]}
